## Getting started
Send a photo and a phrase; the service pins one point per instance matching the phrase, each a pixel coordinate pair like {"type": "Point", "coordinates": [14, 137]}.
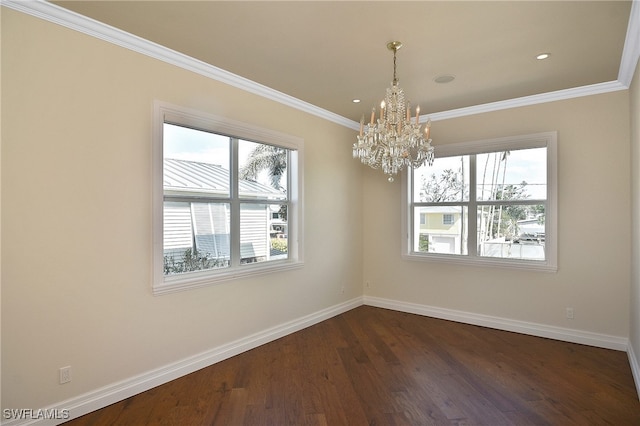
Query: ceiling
{"type": "Point", "coordinates": [329, 53]}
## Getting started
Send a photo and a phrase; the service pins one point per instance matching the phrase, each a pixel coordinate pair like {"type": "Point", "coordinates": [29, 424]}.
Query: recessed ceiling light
{"type": "Point", "coordinates": [442, 79]}
{"type": "Point", "coordinates": [543, 56]}
{"type": "Point", "coordinates": [356, 101]}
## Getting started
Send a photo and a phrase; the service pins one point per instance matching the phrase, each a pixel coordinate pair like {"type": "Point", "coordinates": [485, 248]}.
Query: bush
{"type": "Point", "coordinates": [423, 243]}
{"type": "Point", "coordinates": [279, 244]}
{"type": "Point", "coordinates": [191, 261]}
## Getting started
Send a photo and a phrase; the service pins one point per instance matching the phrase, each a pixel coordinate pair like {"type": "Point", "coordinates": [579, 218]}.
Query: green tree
{"type": "Point", "coordinates": [506, 222]}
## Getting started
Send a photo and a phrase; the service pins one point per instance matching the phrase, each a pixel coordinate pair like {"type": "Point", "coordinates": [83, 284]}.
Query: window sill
{"type": "Point", "coordinates": [177, 283]}
{"type": "Point", "coordinates": [523, 265]}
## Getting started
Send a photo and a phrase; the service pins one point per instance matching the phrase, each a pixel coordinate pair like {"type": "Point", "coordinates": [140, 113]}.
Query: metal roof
{"type": "Point", "coordinates": [182, 177]}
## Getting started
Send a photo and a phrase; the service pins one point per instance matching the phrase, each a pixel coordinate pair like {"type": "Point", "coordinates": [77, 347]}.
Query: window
{"type": "Point", "coordinates": [487, 202]}
{"type": "Point", "coordinates": [227, 199]}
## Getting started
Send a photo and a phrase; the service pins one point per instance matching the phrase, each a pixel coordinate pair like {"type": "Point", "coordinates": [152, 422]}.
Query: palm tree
{"type": "Point", "coordinates": [271, 159]}
{"type": "Point", "coordinates": [505, 155]}
{"type": "Point", "coordinates": [266, 157]}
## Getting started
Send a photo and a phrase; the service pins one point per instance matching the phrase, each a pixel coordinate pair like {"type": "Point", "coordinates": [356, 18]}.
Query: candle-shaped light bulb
{"type": "Point", "coordinates": [373, 114]}
{"type": "Point", "coordinates": [417, 113]}
{"type": "Point", "coordinates": [382, 105]}
{"type": "Point", "coordinates": [361, 125]}
{"type": "Point", "coordinates": [427, 129]}
{"type": "Point", "coordinates": [408, 111]}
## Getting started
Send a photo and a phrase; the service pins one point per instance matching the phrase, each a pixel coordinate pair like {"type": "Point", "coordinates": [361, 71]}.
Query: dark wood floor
{"type": "Point", "coordinates": [372, 366]}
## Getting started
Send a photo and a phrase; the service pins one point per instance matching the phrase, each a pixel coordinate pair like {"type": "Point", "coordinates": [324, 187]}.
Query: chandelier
{"type": "Point", "coordinates": [395, 140]}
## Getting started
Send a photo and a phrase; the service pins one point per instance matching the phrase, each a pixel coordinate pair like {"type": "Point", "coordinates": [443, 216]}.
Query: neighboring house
{"type": "Point", "coordinates": [531, 229]}
{"type": "Point", "coordinates": [205, 225]}
{"type": "Point", "coordinates": [441, 228]}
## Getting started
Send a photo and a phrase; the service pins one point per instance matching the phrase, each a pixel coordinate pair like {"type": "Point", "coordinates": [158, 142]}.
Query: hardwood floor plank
{"type": "Point", "coordinates": [372, 366]}
{"type": "Point", "coordinates": [337, 398]}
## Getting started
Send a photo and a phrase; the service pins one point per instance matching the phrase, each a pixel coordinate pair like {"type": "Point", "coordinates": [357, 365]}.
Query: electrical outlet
{"type": "Point", "coordinates": [569, 313]}
{"type": "Point", "coordinates": [65, 375]}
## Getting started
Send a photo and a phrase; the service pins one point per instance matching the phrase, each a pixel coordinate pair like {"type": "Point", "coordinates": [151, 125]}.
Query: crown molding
{"type": "Point", "coordinates": [58, 15]}
{"type": "Point", "coordinates": [631, 51]}
{"type": "Point", "coordinates": [559, 95]}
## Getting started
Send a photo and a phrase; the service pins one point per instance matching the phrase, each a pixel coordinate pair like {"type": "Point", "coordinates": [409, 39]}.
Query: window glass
{"type": "Point", "coordinates": [446, 180]}
{"type": "Point", "coordinates": [195, 162]}
{"type": "Point", "coordinates": [263, 164]}
{"type": "Point", "coordinates": [197, 167]}
{"type": "Point", "coordinates": [433, 235]}
{"type": "Point", "coordinates": [263, 237]}
{"type": "Point", "coordinates": [512, 231]}
{"type": "Point", "coordinates": [196, 237]}
{"type": "Point", "coordinates": [505, 185]}
{"type": "Point", "coordinates": [225, 206]}
{"type": "Point", "coordinates": [513, 175]}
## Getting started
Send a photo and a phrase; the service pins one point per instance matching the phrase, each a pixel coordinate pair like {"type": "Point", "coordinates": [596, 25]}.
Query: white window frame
{"type": "Point", "coordinates": [538, 140]}
{"type": "Point", "coordinates": [447, 219]}
{"type": "Point", "coordinates": [165, 112]}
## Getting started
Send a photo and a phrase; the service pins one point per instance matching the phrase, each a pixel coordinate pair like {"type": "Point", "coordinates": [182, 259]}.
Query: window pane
{"type": "Point", "coordinates": [512, 175]}
{"type": "Point", "coordinates": [447, 180]}
{"type": "Point", "coordinates": [195, 162]}
{"type": "Point", "coordinates": [263, 232]}
{"type": "Point", "coordinates": [263, 171]}
{"type": "Point", "coordinates": [196, 236]}
{"type": "Point", "coordinates": [512, 231]}
{"type": "Point", "coordinates": [440, 229]}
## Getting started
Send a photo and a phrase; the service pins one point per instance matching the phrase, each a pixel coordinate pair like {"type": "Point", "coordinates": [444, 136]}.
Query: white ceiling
{"type": "Point", "coordinates": [327, 53]}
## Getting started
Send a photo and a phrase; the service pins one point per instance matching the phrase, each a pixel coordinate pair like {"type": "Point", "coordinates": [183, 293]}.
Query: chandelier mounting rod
{"type": "Point", "coordinates": [395, 46]}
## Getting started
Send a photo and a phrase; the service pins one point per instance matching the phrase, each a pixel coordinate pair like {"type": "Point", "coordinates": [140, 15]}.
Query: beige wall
{"type": "Point", "coordinates": [594, 184]}
{"type": "Point", "coordinates": [76, 219]}
{"type": "Point", "coordinates": [634, 333]}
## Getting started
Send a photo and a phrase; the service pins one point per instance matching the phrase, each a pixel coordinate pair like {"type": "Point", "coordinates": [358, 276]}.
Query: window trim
{"type": "Point", "coordinates": [447, 219]}
{"type": "Point", "coordinates": [165, 112]}
{"type": "Point", "coordinates": [537, 140]}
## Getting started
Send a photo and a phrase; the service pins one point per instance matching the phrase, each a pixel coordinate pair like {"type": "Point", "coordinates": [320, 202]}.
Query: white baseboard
{"type": "Point", "coordinates": [100, 398]}
{"type": "Point", "coordinates": [635, 367]}
{"type": "Point", "coordinates": [529, 328]}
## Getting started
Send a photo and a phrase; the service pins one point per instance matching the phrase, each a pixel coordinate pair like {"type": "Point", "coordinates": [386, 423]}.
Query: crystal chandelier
{"type": "Point", "coordinates": [395, 140]}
